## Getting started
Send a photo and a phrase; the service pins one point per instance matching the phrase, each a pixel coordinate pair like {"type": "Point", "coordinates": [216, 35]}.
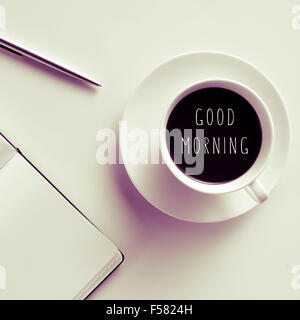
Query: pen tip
{"type": "Point", "coordinates": [95, 83]}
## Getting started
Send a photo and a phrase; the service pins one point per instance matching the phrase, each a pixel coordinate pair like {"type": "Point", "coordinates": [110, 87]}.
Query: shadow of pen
{"type": "Point", "coordinates": [57, 74]}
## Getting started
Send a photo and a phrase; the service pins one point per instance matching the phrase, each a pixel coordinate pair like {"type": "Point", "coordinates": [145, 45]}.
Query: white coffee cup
{"type": "Point", "coordinates": [250, 179]}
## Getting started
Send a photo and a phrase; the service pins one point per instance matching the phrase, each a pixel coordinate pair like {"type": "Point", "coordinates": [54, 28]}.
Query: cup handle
{"type": "Point", "coordinates": [257, 191]}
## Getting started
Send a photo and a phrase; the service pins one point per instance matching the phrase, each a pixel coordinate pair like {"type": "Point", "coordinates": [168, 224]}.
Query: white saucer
{"type": "Point", "coordinates": [145, 110]}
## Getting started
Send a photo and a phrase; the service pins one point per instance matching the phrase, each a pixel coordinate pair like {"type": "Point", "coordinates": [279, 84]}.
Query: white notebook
{"type": "Point", "coordinates": [48, 249]}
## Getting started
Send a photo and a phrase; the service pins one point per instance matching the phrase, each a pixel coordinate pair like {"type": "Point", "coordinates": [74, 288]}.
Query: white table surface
{"type": "Point", "coordinates": [54, 121]}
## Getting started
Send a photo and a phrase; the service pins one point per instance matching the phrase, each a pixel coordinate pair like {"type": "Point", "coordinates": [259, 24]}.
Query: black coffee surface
{"type": "Point", "coordinates": [232, 132]}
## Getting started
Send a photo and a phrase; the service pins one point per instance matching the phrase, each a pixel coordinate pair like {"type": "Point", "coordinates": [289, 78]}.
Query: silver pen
{"type": "Point", "coordinates": [12, 47]}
